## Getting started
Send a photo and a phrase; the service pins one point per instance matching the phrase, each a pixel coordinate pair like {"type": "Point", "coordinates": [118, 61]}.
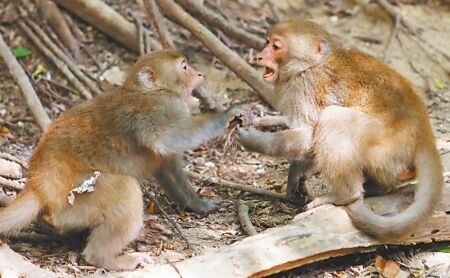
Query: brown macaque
{"type": "Point", "coordinates": [136, 132]}
{"type": "Point", "coordinates": [352, 118]}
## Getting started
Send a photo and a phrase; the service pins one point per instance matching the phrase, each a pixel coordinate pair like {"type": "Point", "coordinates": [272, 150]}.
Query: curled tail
{"type": "Point", "coordinates": [19, 213]}
{"type": "Point", "coordinates": [427, 196]}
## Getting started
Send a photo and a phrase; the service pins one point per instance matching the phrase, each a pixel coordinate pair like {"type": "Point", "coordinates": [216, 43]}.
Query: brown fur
{"type": "Point", "coordinates": [136, 132]}
{"type": "Point", "coordinates": [358, 120]}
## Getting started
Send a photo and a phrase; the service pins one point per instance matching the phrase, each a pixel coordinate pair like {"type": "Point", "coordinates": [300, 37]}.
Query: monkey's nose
{"type": "Point", "coordinates": [200, 74]}
{"type": "Point", "coordinates": [258, 58]}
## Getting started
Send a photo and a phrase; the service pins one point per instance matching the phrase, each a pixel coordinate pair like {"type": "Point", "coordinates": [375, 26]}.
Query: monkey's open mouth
{"type": "Point", "coordinates": [268, 73]}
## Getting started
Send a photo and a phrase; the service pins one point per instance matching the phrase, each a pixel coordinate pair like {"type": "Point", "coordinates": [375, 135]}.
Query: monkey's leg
{"type": "Point", "coordinates": [340, 151]}
{"type": "Point", "coordinates": [294, 144]}
{"type": "Point", "coordinates": [296, 179]}
{"type": "Point", "coordinates": [177, 186]}
{"type": "Point", "coordinates": [114, 213]}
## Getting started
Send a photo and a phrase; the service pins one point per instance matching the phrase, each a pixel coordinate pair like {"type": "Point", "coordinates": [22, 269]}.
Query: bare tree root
{"type": "Point", "coordinates": [32, 100]}
{"type": "Point", "coordinates": [244, 218]}
{"type": "Point", "coordinates": [217, 21]}
{"type": "Point", "coordinates": [51, 13]}
{"type": "Point", "coordinates": [220, 50]}
{"type": "Point", "coordinates": [245, 188]}
{"type": "Point", "coordinates": [157, 22]}
{"type": "Point", "coordinates": [74, 68]}
{"type": "Point", "coordinates": [58, 63]}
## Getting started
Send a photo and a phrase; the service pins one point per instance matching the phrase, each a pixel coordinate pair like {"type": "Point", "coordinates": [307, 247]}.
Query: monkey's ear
{"type": "Point", "coordinates": [146, 78]}
{"type": "Point", "coordinates": [323, 48]}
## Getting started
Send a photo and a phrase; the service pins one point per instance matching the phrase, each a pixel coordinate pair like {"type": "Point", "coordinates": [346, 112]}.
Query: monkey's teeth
{"type": "Point", "coordinates": [268, 72]}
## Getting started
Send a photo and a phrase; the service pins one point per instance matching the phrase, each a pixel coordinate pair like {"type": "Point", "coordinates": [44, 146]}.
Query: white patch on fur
{"type": "Point", "coordinates": [86, 186]}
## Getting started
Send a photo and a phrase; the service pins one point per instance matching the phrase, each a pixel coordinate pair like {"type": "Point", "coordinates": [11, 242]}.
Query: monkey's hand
{"type": "Point", "coordinates": [253, 139]}
{"type": "Point", "coordinates": [203, 206]}
{"type": "Point", "coordinates": [241, 115]}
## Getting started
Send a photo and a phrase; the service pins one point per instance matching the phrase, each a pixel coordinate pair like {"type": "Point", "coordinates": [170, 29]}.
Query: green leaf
{"type": "Point", "coordinates": [38, 71]}
{"type": "Point", "coordinates": [439, 84]}
{"type": "Point", "coordinates": [21, 52]}
{"type": "Point", "coordinates": [445, 249]}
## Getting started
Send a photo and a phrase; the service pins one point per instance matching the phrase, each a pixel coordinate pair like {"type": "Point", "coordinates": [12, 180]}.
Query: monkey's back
{"type": "Point", "coordinates": [102, 135]}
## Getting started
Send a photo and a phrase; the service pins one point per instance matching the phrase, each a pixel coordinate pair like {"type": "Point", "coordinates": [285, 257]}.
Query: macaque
{"type": "Point", "coordinates": [353, 119]}
{"type": "Point", "coordinates": [135, 132]}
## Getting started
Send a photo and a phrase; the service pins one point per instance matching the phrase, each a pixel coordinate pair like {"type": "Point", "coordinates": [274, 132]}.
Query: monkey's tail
{"type": "Point", "coordinates": [427, 196]}
{"type": "Point", "coordinates": [21, 212]}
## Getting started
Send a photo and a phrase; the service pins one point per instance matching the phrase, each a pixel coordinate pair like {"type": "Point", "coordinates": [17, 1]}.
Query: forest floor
{"type": "Point", "coordinates": [356, 24]}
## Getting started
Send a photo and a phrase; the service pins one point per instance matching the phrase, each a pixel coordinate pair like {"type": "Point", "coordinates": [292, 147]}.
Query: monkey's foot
{"type": "Point", "coordinates": [318, 202]}
{"type": "Point", "coordinates": [203, 206]}
{"type": "Point", "coordinates": [119, 263]}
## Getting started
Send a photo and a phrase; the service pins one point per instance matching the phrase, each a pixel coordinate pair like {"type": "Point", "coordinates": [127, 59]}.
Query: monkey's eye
{"type": "Point", "coordinates": [276, 46]}
{"type": "Point", "coordinates": [267, 43]}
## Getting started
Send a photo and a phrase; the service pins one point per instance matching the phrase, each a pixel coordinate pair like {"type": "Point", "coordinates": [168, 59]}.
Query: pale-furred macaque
{"type": "Point", "coordinates": [352, 118]}
{"type": "Point", "coordinates": [136, 132]}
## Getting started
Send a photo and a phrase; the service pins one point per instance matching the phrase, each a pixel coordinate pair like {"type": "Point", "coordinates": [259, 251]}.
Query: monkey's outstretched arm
{"type": "Point", "coordinates": [172, 178]}
{"type": "Point", "coordinates": [294, 144]}
{"type": "Point", "coordinates": [190, 132]}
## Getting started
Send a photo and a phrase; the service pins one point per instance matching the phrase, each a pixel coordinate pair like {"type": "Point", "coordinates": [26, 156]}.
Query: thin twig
{"type": "Point", "coordinates": [267, 121]}
{"type": "Point", "coordinates": [394, 13]}
{"type": "Point", "coordinates": [22, 80]}
{"type": "Point", "coordinates": [140, 30]}
{"type": "Point", "coordinates": [166, 215]}
{"type": "Point", "coordinates": [242, 187]}
{"type": "Point", "coordinates": [74, 68]}
{"type": "Point", "coordinates": [157, 22]}
{"type": "Point", "coordinates": [392, 38]}
{"type": "Point", "coordinates": [11, 184]}
{"type": "Point", "coordinates": [58, 63]}
{"type": "Point", "coordinates": [215, 20]}
{"type": "Point", "coordinates": [244, 218]}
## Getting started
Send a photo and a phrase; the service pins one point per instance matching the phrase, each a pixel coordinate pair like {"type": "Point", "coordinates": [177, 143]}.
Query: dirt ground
{"type": "Point", "coordinates": [356, 24]}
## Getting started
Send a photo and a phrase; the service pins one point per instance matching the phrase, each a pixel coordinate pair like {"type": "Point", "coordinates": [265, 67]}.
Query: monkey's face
{"type": "Point", "coordinates": [190, 77]}
{"type": "Point", "coordinates": [293, 46]}
{"type": "Point", "coordinates": [271, 56]}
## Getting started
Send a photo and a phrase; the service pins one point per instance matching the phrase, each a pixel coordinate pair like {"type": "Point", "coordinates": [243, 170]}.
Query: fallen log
{"type": "Point", "coordinates": [315, 235]}
{"type": "Point", "coordinates": [14, 265]}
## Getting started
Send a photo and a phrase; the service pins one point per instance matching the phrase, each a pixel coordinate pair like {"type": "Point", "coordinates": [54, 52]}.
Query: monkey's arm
{"type": "Point", "coordinates": [294, 144]}
{"type": "Point", "coordinates": [172, 178]}
{"type": "Point", "coordinates": [189, 132]}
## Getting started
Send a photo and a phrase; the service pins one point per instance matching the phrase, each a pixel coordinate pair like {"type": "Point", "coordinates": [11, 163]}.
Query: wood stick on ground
{"type": "Point", "coordinates": [10, 169]}
{"type": "Point", "coordinates": [12, 158]}
{"type": "Point", "coordinates": [61, 55]}
{"type": "Point", "coordinates": [58, 62]}
{"type": "Point", "coordinates": [392, 38]}
{"type": "Point", "coordinates": [220, 50]}
{"type": "Point", "coordinates": [217, 21]}
{"type": "Point", "coordinates": [167, 216]}
{"type": "Point", "coordinates": [99, 14]}
{"type": "Point", "coordinates": [393, 12]}
{"type": "Point", "coordinates": [11, 184]}
{"type": "Point", "coordinates": [244, 218]}
{"type": "Point", "coordinates": [52, 14]}
{"type": "Point", "coordinates": [140, 30]}
{"type": "Point", "coordinates": [157, 22]}
{"type": "Point", "coordinates": [242, 187]}
{"type": "Point", "coordinates": [322, 233]}
{"type": "Point", "coordinates": [32, 100]}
